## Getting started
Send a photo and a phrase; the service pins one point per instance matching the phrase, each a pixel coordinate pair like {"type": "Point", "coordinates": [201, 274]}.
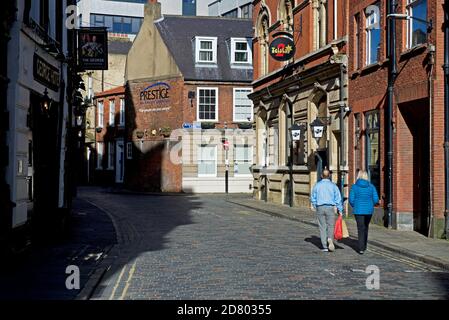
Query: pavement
{"type": "Point", "coordinates": [408, 243]}
{"type": "Point", "coordinates": [224, 247]}
{"type": "Point", "coordinates": [39, 273]}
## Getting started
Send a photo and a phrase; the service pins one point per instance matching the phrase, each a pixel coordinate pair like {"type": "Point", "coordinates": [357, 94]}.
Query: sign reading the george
{"type": "Point", "coordinates": [93, 49]}
{"type": "Point", "coordinates": [282, 48]}
{"type": "Point", "coordinates": [45, 73]}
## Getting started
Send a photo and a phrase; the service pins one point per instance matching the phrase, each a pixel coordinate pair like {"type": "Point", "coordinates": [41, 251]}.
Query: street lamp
{"type": "Point", "coordinates": [318, 127]}
{"type": "Point", "coordinates": [45, 103]}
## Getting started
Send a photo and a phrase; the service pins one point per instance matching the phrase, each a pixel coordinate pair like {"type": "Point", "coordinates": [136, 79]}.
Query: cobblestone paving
{"type": "Point", "coordinates": [203, 247]}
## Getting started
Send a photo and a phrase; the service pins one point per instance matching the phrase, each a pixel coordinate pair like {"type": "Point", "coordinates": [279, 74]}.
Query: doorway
{"type": "Point", "coordinates": [321, 162]}
{"type": "Point", "coordinates": [416, 129]}
{"type": "Point", "coordinates": [120, 161]}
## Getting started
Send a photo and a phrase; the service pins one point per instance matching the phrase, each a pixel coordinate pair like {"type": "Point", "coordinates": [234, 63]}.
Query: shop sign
{"type": "Point", "coordinates": [92, 49]}
{"type": "Point", "coordinates": [156, 92]}
{"type": "Point", "coordinates": [45, 73]}
{"type": "Point", "coordinates": [282, 48]}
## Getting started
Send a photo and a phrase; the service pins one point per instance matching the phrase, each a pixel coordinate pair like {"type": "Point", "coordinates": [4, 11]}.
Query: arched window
{"type": "Point", "coordinates": [285, 14]}
{"type": "Point", "coordinates": [320, 26]}
{"type": "Point", "coordinates": [263, 39]}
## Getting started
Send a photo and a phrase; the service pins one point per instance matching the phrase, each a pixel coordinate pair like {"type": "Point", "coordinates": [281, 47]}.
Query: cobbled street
{"type": "Point", "coordinates": [203, 247]}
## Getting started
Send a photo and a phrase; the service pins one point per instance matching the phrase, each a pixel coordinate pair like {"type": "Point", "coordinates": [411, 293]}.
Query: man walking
{"type": "Point", "coordinates": [325, 197]}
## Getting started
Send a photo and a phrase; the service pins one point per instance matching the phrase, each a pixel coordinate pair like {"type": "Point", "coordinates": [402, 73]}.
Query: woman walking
{"type": "Point", "coordinates": [362, 198]}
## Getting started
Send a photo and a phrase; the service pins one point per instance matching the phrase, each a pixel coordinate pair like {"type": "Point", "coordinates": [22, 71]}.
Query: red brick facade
{"type": "Point", "coordinates": [418, 116]}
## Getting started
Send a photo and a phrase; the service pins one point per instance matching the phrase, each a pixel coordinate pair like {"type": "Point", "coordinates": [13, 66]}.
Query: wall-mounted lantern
{"type": "Point", "coordinates": [46, 103]}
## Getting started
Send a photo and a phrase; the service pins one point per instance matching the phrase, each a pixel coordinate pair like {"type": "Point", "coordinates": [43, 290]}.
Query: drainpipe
{"type": "Point", "coordinates": [392, 74]}
{"type": "Point", "coordinates": [292, 191]}
{"type": "Point", "coordinates": [342, 131]}
{"type": "Point", "coordinates": [446, 115]}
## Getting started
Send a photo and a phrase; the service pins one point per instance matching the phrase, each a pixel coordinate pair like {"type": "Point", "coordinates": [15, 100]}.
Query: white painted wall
{"type": "Point", "coordinates": [172, 7]}
{"type": "Point", "coordinates": [217, 185]}
{"type": "Point", "coordinates": [219, 7]}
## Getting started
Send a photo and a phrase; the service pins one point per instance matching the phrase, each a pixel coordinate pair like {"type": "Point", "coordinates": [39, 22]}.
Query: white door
{"type": "Point", "coordinates": [120, 161]}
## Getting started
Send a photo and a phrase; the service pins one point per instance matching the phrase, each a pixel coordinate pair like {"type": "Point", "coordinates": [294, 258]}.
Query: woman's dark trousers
{"type": "Point", "coordinates": [362, 229]}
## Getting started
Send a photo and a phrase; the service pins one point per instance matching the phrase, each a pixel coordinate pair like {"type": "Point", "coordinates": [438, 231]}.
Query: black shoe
{"type": "Point", "coordinates": [361, 252]}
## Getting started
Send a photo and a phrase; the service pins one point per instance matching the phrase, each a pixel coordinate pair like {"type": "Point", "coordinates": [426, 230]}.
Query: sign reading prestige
{"type": "Point", "coordinates": [156, 92]}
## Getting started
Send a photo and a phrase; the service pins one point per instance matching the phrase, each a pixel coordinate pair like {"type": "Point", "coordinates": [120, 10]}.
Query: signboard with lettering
{"type": "Point", "coordinates": [46, 73]}
{"type": "Point", "coordinates": [92, 49]}
{"type": "Point", "coordinates": [282, 48]}
{"type": "Point", "coordinates": [154, 97]}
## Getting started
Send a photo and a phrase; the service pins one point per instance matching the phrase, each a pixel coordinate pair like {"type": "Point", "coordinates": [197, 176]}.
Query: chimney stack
{"type": "Point", "coordinates": [153, 10]}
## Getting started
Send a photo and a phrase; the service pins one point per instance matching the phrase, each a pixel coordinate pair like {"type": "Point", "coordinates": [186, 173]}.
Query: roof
{"type": "Point", "coordinates": [179, 32]}
{"type": "Point", "coordinates": [119, 46]}
{"type": "Point", "coordinates": [111, 92]}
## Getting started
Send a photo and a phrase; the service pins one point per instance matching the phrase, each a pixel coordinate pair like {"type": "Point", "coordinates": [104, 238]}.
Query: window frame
{"type": "Point", "coordinates": [112, 112]}
{"type": "Point", "coordinates": [100, 114]}
{"type": "Point", "coordinates": [369, 27]}
{"type": "Point", "coordinates": [198, 104]}
{"type": "Point", "coordinates": [111, 155]}
{"type": "Point", "coordinates": [234, 104]}
{"type": "Point", "coordinates": [199, 159]}
{"type": "Point", "coordinates": [234, 50]}
{"type": "Point", "coordinates": [250, 159]}
{"type": "Point", "coordinates": [100, 154]}
{"type": "Point", "coordinates": [122, 113]}
{"type": "Point", "coordinates": [198, 49]}
{"type": "Point", "coordinates": [410, 4]}
{"type": "Point", "coordinates": [369, 130]}
{"type": "Point", "coordinates": [129, 150]}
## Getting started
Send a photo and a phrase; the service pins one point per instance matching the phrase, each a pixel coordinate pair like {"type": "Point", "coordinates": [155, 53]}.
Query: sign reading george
{"type": "Point", "coordinates": [45, 73]}
{"type": "Point", "coordinates": [282, 48]}
{"type": "Point", "coordinates": [93, 49]}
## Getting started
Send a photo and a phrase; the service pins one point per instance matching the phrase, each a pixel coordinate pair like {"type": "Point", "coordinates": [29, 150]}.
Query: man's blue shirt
{"type": "Point", "coordinates": [326, 193]}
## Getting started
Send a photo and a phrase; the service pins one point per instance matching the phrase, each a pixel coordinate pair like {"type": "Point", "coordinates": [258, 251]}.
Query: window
{"type": "Point", "coordinates": [243, 159]}
{"type": "Point", "coordinates": [117, 24]}
{"type": "Point", "coordinates": [321, 24]}
{"type": "Point", "coordinates": [231, 14]}
{"type": "Point", "coordinates": [100, 114]}
{"type": "Point", "coordinates": [357, 41]}
{"type": "Point", "coordinates": [372, 36]}
{"type": "Point", "coordinates": [206, 50]}
{"type": "Point", "coordinates": [112, 113]}
{"type": "Point", "coordinates": [100, 152]}
{"type": "Point", "coordinates": [122, 112]}
{"type": "Point", "coordinates": [207, 161]}
{"type": "Point", "coordinates": [373, 148]}
{"type": "Point", "coordinates": [207, 104]}
{"type": "Point", "coordinates": [129, 150]}
{"type": "Point", "coordinates": [416, 30]}
{"type": "Point", "coordinates": [240, 51]}
{"type": "Point", "coordinates": [243, 106]}
{"type": "Point", "coordinates": [247, 11]}
{"type": "Point", "coordinates": [189, 7]}
{"type": "Point", "coordinates": [263, 40]}
{"type": "Point", "coordinates": [111, 154]}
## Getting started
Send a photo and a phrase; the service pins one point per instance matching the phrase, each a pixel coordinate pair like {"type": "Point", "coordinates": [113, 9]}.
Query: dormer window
{"type": "Point", "coordinates": [241, 51]}
{"type": "Point", "coordinates": [206, 49]}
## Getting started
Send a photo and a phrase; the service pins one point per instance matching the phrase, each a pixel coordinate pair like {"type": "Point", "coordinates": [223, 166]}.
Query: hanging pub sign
{"type": "Point", "coordinates": [93, 49]}
{"type": "Point", "coordinates": [282, 48]}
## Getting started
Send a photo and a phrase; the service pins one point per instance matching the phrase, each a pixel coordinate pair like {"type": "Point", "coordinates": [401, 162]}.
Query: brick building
{"type": "Point", "coordinates": [418, 110]}
{"type": "Point", "coordinates": [311, 86]}
{"type": "Point", "coordinates": [188, 80]}
{"type": "Point", "coordinates": [108, 163]}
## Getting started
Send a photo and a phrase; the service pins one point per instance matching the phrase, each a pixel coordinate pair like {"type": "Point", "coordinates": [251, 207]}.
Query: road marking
{"type": "Point", "coordinates": [117, 283]}
{"type": "Point", "coordinates": [130, 276]}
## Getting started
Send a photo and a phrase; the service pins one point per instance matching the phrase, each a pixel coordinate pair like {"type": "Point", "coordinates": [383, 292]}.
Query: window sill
{"type": "Point", "coordinates": [370, 68]}
{"type": "Point", "coordinates": [416, 50]}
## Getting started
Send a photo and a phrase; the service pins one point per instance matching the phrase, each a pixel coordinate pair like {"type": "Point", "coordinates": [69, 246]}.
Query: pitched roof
{"type": "Point", "coordinates": [179, 32]}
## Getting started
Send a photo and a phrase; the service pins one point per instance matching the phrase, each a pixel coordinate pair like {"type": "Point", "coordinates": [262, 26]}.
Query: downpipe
{"type": "Point", "coordinates": [446, 116]}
